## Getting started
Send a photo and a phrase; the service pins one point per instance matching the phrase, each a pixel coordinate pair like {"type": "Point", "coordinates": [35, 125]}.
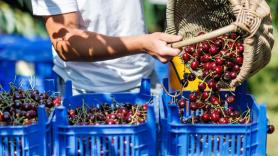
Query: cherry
{"type": "Point", "coordinates": [184, 82]}
{"type": "Point", "coordinates": [205, 95]}
{"type": "Point", "coordinates": [219, 61]}
{"type": "Point", "coordinates": [193, 106]}
{"type": "Point", "coordinates": [145, 107]}
{"type": "Point", "coordinates": [230, 64]}
{"type": "Point", "coordinates": [72, 113]}
{"type": "Point", "coordinates": [211, 84]}
{"type": "Point", "coordinates": [191, 77]}
{"type": "Point", "coordinates": [233, 75]}
{"type": "Point", "coordinates": [270, 129]}
{"type": "Point", "coordinates": [200, 105]}
{"type": "Point", "coordinates": [192, 97]}
{"type": "Point", "coordinates": [213, 50]}
{"type": "Point", "coordinates": [233, 36]}
{"type": "Point", "coordinates": [190, 49]}
{"type": "Point", "coordinates": [182, 103]}
{"type": "Point", "coordinates": [205, 46]}
{"type": "Point", "coordinates": [186, 57]}
{"type": "Point", "coordinates": [57, 101]}
{"type": "Point", "coordinates": [205, 73]}
{"type": "Point", "coordinates": [202, 86]}
{"type": "Point", "coordinates": [219, 42]}
{"type": "Point", "coordinates": [207, 66]}
{"type": "Point", "coordinates": [236, 68]}
{"type": "Point", "coordinates": [205, 117]}
{"type": "Point", "coordinates": [239, 60]}
{"type": "Point", "coordinates": [219, 70]}
{"type": "Point", "coordinates": [214, 100]}
{"type": "Point", "coordinates": [240, 48]}
{"type": "Point", "coordinates": [224, 120]}
{"type": "Point", "coordinates": [194, 65]}
{"type": "Point", "coordinates": [215, 116]}
{"type": "Point", "coordinates": [205, 58]}
{"type": "Point", "coordinates": [230, 99]}
{"type": "Point", "coordinates": [213, 65]}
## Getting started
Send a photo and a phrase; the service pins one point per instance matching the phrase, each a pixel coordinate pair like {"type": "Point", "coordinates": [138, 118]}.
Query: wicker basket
{"type": "Point", "coordinates": [217, 17]}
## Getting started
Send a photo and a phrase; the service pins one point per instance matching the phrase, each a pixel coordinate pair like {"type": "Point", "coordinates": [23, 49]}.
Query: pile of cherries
{"type": "Point", "coordinates": [216, 62]}
{"type": "Point", "coordinates": [19, 107]}
{"type": "Point", "coordinates": [108, 114]}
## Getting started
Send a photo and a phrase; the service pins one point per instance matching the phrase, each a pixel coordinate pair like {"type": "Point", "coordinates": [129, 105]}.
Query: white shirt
{"type": "Point", "coordinates": [109, 17]}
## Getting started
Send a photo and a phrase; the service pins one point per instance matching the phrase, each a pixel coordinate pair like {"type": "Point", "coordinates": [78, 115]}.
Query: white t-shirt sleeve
{"type": "Point", "coordinates": [53, 7]}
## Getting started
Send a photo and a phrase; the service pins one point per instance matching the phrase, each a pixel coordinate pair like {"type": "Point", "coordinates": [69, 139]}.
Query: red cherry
{"type": "Point", "coordinates": [240, 48]}
{"type": "Point", "coordinates": [219, 42]}
{"type": "Point", "coordinates": [191, 77]}
{"type": "Point", "coordinates": [211, 84]}
{"type": "Point", "coordinates": [239, 60]}
{"type": "Point", "coordinates": [205, 95]}
{"type": "Point", "coordinates": [145, 107]}
{"type": "Point", "coordinates": [233, 75]}
{"type": "Point", "coordinates": [214, 100]}
{"type": "Point", "coordinates": [57, 101]}
{"type": "Point", "coordinates": [194, 65]}
{"type": "Point", "coordinates": [205, 46]}
{"type": "Point", "coordinates": [270, 129]}
{"type": "Point", "coordinates": [205, 117]}
{"type": "Point", "coordinates": [190, 49]}
{"type": "Point", "coordinates": [233, 36]}
{"type": "Point", "coordinates": [236, 68]}
{"type": "Point", "coordinates": [182, 103]}
{"type": "Point", "coordinates": [186, 57]}
{"type": "Point", "coordinates": [215, 117]}
{"type": "Point", "coordinates": [207, 66]}
{"type": "Point", "coordinates": [205, 58]}
{"type": "Point", "coordinates": [200, 105]}
{"type": "Point", "coordinates": [230, 99]}
{"type": "Point", "coordinates": [193, 106]}
{"type": "Point", "coordinates": [219, 61]}
{"type": "Point", "coordinates": [202, 86]}
{"type": "Point", "coordinates": [213, 50]}
{"type": "Point", "coordinates": [224, 121]}
{"type": "Point", "coordinates": [230, 64]}
{"type": "Point", "coordinates": [219, 70]}
{"type": "Point", "coordinates": [192, 97]}
{"type": "Point", "coordinates": [213, 65]}
{"type": "Point", "coordinates": [71, 113]}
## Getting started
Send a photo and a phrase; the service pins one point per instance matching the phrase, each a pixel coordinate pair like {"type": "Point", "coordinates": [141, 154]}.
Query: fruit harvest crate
{"type": "Point", "coordinates": [22, 59]}
{"type": "Point", "coordinates": [212, 139]}
{"type": "Point", "coordinates": [135, 140]}
{"type": "Point", "coordinates": [29, 140]}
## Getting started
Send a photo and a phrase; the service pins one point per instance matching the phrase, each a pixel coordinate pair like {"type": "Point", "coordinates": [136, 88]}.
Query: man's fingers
{"type": "Point", "coordinates": [171, 51]}
{"type": "Point", "coordinates": [170, 38]}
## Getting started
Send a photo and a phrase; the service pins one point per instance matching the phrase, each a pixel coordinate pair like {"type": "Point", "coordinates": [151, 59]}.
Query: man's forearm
{"type": "Point", "coordinates": [74, 44]}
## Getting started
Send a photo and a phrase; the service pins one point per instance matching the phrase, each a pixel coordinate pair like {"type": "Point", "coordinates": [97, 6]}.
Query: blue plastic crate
{"type": "Point", "coordinates": [122, 140]}
{"type": "Point", "coordinates": [211, 139]}
{"type": "Point", "coordinates": [35, 53]}
{"type": "Point", "coordinates": [29, 140]}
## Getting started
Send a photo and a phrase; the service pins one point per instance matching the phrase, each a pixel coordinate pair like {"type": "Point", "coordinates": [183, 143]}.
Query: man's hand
{"type": "Point", "coordinates": [156, 45]}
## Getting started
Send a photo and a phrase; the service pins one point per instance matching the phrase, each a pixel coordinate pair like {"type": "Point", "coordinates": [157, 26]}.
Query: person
{"type": "Point", "coordinates": [102, 46]}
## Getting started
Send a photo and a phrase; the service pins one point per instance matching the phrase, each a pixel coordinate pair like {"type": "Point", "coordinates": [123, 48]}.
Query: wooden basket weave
{"type": "Point", "coordinates": [218, 17]}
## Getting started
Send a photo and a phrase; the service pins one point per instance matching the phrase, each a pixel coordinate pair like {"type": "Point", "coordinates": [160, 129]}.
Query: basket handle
{"type": "Point", "coordinates": [145, 87]}
{"type": "Point", "coordinates": [230, 28]}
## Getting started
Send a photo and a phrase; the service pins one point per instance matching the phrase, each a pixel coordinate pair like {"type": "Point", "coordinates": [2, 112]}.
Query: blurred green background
{"type": "Point", "coordinates": [15, 18]}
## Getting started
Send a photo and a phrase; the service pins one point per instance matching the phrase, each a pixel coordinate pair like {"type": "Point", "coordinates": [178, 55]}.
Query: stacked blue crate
{"type": "Point", "coordinates": [91, 140]}
{"type": "Point", "coordinates": [212, 139]}
{"type": "Point", "coordinates": [36, 52]}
